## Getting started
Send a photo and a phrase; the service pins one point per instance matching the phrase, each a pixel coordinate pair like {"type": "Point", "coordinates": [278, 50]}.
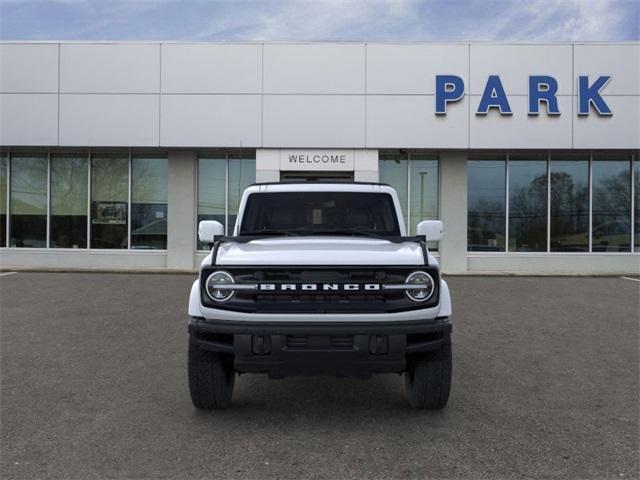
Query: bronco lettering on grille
{"type": "Point", "coordinates": [319, 286]}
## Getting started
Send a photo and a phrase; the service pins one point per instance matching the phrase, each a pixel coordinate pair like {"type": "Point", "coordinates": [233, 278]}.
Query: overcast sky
{"type": "Point", "coordinates": [292, 20]}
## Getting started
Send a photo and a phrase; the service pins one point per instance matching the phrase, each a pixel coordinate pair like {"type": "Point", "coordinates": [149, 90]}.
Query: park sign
{"type": "Point", "coordinates": [542, 90]}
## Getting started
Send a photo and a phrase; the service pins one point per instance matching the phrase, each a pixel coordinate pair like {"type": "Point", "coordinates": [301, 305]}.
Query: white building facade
{"type": "Point", "coordinates": [110, 153]}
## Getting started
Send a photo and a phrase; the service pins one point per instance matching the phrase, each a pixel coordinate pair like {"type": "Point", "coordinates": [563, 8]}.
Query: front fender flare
{"type": "Point", "coordinates": [194, 300]}
{"type": "Point", "coordinates": [445, 300]}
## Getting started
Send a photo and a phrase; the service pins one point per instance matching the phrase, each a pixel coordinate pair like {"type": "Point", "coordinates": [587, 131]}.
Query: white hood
{"type": "Point", "coordinates": [320, 251]}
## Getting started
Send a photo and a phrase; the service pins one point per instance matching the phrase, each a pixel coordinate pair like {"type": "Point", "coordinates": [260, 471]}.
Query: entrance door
{"type": "Point", "coordinates": [316, 176]}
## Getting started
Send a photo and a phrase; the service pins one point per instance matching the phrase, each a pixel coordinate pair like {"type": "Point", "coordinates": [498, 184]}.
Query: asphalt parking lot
{"type": "Point", "coordinates": [94, 385]}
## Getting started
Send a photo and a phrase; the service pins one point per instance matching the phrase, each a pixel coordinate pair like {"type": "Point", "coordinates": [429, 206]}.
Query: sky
{"type": "Point", "coordinates": [321, 20]}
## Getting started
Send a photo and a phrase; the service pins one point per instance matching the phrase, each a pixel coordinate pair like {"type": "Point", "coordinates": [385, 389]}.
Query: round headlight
{"type": "Point", "coordinates": [217, 286]}
{"type": "Point", "coordinates": [425, 286]}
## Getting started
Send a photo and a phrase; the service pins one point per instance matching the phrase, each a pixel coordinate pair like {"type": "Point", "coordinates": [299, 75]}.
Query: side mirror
{"type": "Point", "coordinates": [208, 229]}
{"type": "Point", "coordinates": [432, 229]}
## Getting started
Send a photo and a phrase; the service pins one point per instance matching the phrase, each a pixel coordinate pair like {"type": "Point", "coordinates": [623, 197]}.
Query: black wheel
{"type": "Point", "coordinates": [428, 379]}
{"type": "Point", "coordinates": [211, 378]}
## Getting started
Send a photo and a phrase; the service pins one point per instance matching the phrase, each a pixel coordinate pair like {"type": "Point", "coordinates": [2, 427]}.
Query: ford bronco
{"type": "Point", "coordinates": [319, 279]}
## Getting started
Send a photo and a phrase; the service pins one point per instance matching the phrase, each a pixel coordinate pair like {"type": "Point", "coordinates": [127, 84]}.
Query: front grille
{"type": "Point", "coordinates": [321, 276]}
{"type": "Point", "coordinates": [321, 301]}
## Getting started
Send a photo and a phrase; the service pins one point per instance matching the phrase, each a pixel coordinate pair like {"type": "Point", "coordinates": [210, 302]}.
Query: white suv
{"type": "Point", "coordinates": [319, 279]}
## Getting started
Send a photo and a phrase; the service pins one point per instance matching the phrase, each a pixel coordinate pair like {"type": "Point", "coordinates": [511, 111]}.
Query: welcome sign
{"type": "Point", "coordinates": [317, 160]}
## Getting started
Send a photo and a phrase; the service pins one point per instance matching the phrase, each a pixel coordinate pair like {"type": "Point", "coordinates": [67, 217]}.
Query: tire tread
{"type": "Point", "coordinates": [211, 379]}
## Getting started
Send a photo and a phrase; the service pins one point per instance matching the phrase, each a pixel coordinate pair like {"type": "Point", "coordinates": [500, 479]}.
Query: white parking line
{"type": "Point", "coordinates": [7, 273]}
{"type": "Point", "coordinates": [632, 279]}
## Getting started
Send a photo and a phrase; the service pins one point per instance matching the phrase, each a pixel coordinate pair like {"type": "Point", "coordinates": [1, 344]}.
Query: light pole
{"type": "Point", "coordinates": [422, 175]}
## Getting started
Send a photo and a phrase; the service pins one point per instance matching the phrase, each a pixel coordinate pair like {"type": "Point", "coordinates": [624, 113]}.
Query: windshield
{"type": "Point", "coordinates": [320, 213]}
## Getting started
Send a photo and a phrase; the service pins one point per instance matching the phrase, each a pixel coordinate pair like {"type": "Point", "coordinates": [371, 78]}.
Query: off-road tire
{"type": "Point", "coordinates": [211, 378]}
{"type": "Point", "coordinates": [428, 379]}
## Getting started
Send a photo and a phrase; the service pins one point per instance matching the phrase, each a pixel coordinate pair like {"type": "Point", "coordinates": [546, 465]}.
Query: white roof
{"type": "Point", "coordinates": [320, 187]}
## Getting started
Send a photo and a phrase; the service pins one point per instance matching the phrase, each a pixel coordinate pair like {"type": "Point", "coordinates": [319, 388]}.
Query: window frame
{"type": "Point", "coordinates": [492, 156]}
{"type": "Point", "coordinates": [224, 156]}
{"type": "Point", "coordinates": [633, 159]}
{"type": "Point", "coordinates": [152, 156]}
{"type": "Point", "coordinates": [407, 208]}
{"type": "Point", "coordinates": [7, 155]}
{"type": "Point", "coordinates": [110, 153]}
{"type": "Point", "coordinates": [49, 196]}
{"type": "Point", "coordinates": [26, 153]}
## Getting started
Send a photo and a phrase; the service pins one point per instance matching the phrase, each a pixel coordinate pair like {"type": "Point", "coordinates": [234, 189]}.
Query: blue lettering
{"type": "Point", "coordinates": [590, 95]}
{"type": "Point", "coordinates": [494, 97]}
{"type": "Point", "coordinates": [449, 88]}
{"type": "Point", "coordinates": [543, 88]}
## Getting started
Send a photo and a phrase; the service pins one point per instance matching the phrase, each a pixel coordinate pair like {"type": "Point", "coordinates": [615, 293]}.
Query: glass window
{"type": "Point", "coordinates": [528, 203]}
{"type": "Point", "coordinates": [217, 173]}
{"type": "Point", "coordinates": [569, 203]}
{"type": "Point", "coordinates": [109, 197]}
{"type": "Point", "coordinates": [28, 201]}
{"type": "Point", "coordinates": [321, 213]}
{"type": "Point", "coordinates": [636, 195]}
{"type": "Point", "coordinates": [149, 177]}
{"type": "Point", "coordinates": [611, 228]}
{"type": "Point", "coordinates": [69, 201]}
{"type": "Point", "coordinates": [424, 190]}
{"type": "Point", "coordinates": [3, 200]}
{"type": "Point", "coordinates": [211, 191]}
{"type": "Point", "coordinates": [393, 171]}
{"type": "Point", "coordinates": [486, 205]}
{"type": "Point", "coordinates": [242, 173]}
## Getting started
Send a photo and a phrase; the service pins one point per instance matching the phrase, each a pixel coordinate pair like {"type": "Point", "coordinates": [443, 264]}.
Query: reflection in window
{"type": "Point", "coordinates": [213, 201]}
{"type": "Point", "coordinates": [69, 201]}
{"type": "Point", "coordinates": [611, 184]}
{"type": "Point", "coordinates": [424, 190]}
{"type": "Point", "coordinates": [28, 201]}
{"type": "Point", "coordinates": [149, 177]}
{"type": "Point", "coordinates": [486, 204]}
{"type": "Point", "coordinates": [636, 194]}
{"type": "Point", "coordinates": [211, 191]}
{"type": "Point", "coordinates": [242, 173]}
{"type": "Point", "coordinates": [528, 203]}
{"type": "Point", "coordinates": [3, 199]}
{"type": "Point", "coordinates": [414, 176]}
{"type": "Point", "coordinates": [393, 171]}
{"type": "Point", "coordinates": [569, 203]}
{"type": "Point", "coordinates": [109, 196]}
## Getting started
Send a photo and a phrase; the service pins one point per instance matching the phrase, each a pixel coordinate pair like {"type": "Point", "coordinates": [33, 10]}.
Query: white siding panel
{"type": "Point", "coordinates": [211, 120]}
{"type": "Point", "coordinates": [396, 121]}
{"type": "Point", "coordinates": [28, 119]}
{"type": "Point", "coordinates": [521, 130]}
{"type": "Point", "coordinates": [514, 64]}
{"type": "Point", "coordinates": [621, 130]}
{"type": "Point", "coordinates": [411, 69]}
{"type": "Point", "coordinates": [622, 62]}
{"type": "Point", "coordinates": [109, 68]}
{"type": "Point", "coordinates": [221, 68]}
{"type": "Point", "coordinates": [109, 120]}
{"type": "Point", "coordinates": [28, 68]}
{"type": "Point", "coordinates": [314, 68]}
{"type": "Point", "coordinates": [314, 121]}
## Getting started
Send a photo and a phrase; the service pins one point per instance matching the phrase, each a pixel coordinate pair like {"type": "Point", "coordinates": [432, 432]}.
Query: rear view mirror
{"type": "Point", "coordinates": [209, 229]}
{"type": "Point", "coordinates": [433, 230]}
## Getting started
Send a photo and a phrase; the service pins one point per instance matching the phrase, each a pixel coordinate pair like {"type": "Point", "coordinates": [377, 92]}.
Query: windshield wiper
{"type": "Point", "coordinates": [350, 231]}
{"type": "Point", "coordinates": [269, 231]}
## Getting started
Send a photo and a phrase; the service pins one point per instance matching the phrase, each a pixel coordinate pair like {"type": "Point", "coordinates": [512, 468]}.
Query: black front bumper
{"type": "Point", "coordinates": [346, 349]}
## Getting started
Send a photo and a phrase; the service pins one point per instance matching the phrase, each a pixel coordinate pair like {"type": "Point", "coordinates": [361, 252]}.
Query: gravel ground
{"type": "Point", "coordinates": [94, 385]}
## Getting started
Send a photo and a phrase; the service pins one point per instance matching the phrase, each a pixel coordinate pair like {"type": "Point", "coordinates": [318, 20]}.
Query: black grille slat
{"type": "Point", "coordinates": [297, 341]}
{"type": "Point", "coordinates": [344, 342]}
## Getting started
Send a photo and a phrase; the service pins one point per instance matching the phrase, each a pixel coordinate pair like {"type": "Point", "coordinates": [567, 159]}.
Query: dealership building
{"type": "Point", "coordinates": [110, 153]}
